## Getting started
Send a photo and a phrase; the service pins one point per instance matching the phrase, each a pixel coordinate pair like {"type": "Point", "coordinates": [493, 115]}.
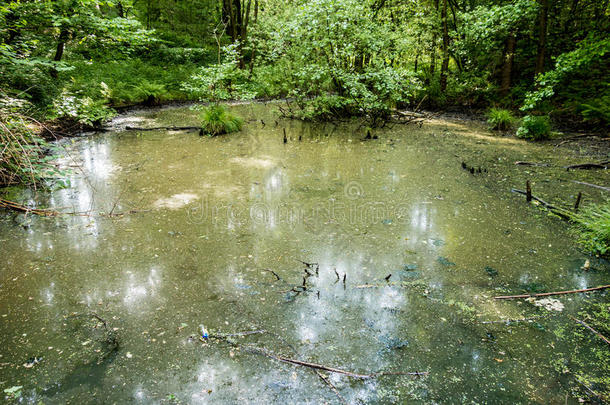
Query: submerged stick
{"type": "Point", "coordinates": [274, 273]}
{"type": "Point", "coordinates": [555, 210]}
{"type": "Point", "coordinates": [22, 208]}
{"type": "Point", "coordinates": [508, 297]}
{"type": "Point", "coordinates": [586, 166]}
{"type": "Point", "coordinates": [128, 128]}
{"type": "Point", "coordinates": [583, 323]}
{"type": "Point", "coordinates": [577, 203]}
{"type": "Point", "coordinates": [592, 185]}
{"type": "Point", "coordinates": [237, 334]}
{"type": "Point", "coordinates": [522, 163]}
{"type": "Point", "coordinates": [330, 369]}
{"type": "Point", "coordinates": [513, 320]}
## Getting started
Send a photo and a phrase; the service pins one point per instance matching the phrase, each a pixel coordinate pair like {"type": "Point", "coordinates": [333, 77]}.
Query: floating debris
{"type": "Point", "coordinates": [438, 242]}
{"type": "Point", "coordinates": [444, 261]}
{"type": "Point", "coordinates": [32, 361]}
{"type": "Point", "coordinates": [550, 304]}
{"type": "Point", "coordinates": [491, 271]}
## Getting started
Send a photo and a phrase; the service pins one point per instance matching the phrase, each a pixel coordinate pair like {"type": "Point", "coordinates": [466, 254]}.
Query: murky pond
{"type": "Point", "coordinates": [405, 251]}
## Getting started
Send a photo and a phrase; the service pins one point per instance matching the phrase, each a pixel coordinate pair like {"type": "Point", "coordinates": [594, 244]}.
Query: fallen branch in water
{"type": "Point", "coordinates": [507, 321]}
{"type": "Point", "coordinates": [507, 297]}
{"type": "Point", "coordinates": [128, 128]}
{"type": "Point", "coordinates": [121, 214]}
{"type": "Point", "coordinates": [274, 273]}
{"type": "Point", "coordinates": [592, 185]}
{"type": "Point", "coordinates": [237, 334]}
{"type": "Point", "coordinates": [595, 394]}
{"type": "Point", "coordinates": [583, 323]}
{"type": "Point", "coordinates": [23, 208]}
{"type": "Point", "coordinates": [555, 210]}
{"type": "Point", "coordinates": [521, 163]}
{"type": "Point", "coordinates": [586, 166]}
{"type": "Point", "coordinates": [266, 353]}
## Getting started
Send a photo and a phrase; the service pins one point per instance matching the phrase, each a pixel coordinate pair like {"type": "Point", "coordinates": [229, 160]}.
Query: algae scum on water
{"type": "Point", "coordinates": [377, 256]}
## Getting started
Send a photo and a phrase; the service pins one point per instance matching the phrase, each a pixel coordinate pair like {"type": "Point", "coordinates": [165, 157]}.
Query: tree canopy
{"type": "Point", "coordinates": [334, 57]}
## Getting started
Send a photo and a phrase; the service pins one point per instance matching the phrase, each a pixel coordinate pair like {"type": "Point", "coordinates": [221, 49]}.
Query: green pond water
{"type": "Point", "coordinates": [206, 219]}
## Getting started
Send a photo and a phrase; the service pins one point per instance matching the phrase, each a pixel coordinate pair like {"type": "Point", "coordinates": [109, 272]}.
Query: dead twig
{"type": "Point", "coordinates": [507, 321]}
{"type": "Point", "coordinates": [555, 210]}
{"type": "Point", "coordinates": [223, 336]}
{"type": "Point", "coordinates": [22, 208]}
{"type": "Point", "coordinates": [274, 273]}
{"type": "Point", "coordinates": [583, 323]}
{"type": "Point", "coordinates": [283, 359]}
{"type": "Point", "coordinates": [592, 185]}
{"type": "Point", "coordinates": [521, 163]}
{"type": "Point", "coordinates": [586, 166]}
{"type": "Point", "coordinates": [584, 290]}
{"type": "Point", "coordinates": [189, 128]}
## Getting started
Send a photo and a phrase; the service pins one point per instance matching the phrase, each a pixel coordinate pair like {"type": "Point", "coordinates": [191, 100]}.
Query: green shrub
{"type": "Point", "coordinates": [592, 228]}
{"type": "Point", "coordinates": [534, 127]}
{"type": "Point", "coordinates": [150, 93]}
{"type": "Point", "coordinates": [597, 111]}
{"type": "Point", "coordinates": [82, 109]}
{"type": "Point", "coordinates": [216, 120]}
{"type": "Point", "coordinates": [500, 119]}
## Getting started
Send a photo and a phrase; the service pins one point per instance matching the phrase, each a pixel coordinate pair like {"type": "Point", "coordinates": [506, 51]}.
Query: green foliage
{"type": "Point", "coordinates": [127, 82]}
{"type": "Point", "coordinates": [593, 228]}
{"type": "Point", "coordinates": [500, 119]}
{"type": "Point", "coordinates": [217, 120]}
{"type": "Point", "coordinates": [222, 81]}
{"type": "Point", "coordinates": [336, 61]}
{"type": "Point", "coordinates": [589, 54]}
{"type": "Point", "coordinates": [149, 92]}
{"type": "Point", "coordinates": [597, 110]}
{"type": "Point", "coordinates": [534, 127]}
{"type": "Point", "coordinates": [82, 109]}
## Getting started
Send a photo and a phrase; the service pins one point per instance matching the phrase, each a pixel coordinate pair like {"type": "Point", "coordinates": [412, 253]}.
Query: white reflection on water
{"type": "Point", "coordinates": [138, 288]}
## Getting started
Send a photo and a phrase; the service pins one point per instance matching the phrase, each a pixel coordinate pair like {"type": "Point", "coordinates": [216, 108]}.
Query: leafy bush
{"type": "Point", "coordinates": [534, 127]}
{"type": "Point", "coordinates": [149, 92]}
{"type": "Point", "coordinates": [83, 109]}
{"type": "Point", "coordinates": [222, 81]}
{"type": "Point", "coordinates": [597, 110]}
{"type": "Point", "coordinates": [593, 228]}
{"type": "Point", "coordinates": [216, 120]}
{"type": "Point", "coordinates": [500, 119]}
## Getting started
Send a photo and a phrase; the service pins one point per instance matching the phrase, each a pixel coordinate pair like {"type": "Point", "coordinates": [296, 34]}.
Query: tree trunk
{"type": "Point", "coordinates": [243, 35]}
{"type": "Point", "coordinates": [11, 21]}
{"type": "Point", "coordinates": [507, 68]}
{"type": "Point", "coordinates": [59, 51]}
{"type": "Point", "coordinates": [61, 42]}
{"type": "Point", "coordinates": [445, 63]}
{"type": "Point", "coordinates": [544, 11]}
{"type": "Point", "coordinates": [232, 16]}
{"type": "Point", "coordinates": [433, 48]}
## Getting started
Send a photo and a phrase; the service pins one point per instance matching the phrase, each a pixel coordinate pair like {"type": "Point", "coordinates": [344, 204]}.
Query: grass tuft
{"type": "Point", "coordinates": [592, 228]}
{"type": "Point", "coordinates": [500, 119]}
{"type": "Point", "coordinates": [216, 120]}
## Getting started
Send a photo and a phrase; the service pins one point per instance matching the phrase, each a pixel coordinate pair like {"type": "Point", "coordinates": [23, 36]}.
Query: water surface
{"type": "Point", "coordinates": [177, 230]}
